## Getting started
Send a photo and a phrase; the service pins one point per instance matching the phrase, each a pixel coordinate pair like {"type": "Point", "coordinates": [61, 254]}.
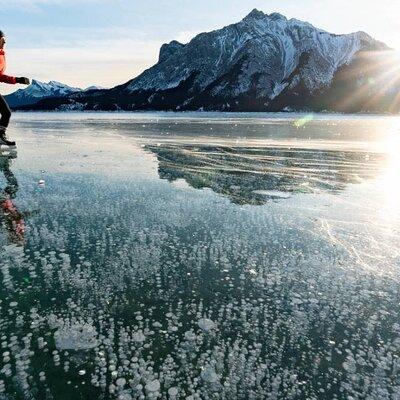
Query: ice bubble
{"type": "Point", "coordinates": [82, 372]}
{"type": "Point", "coordinates": [209, 375]}
{"type": "Point", "coordinates": [76, 337]}
{"type": "Point", "coordinates": [121, 382]}
{"type": "Point", "coordinates": [191, 336]}
{"type": "Point", "coordinates": [153, 386]}
{"type": "Point", "coordinates": [173, 392]}
{"type": "Point", "coordinates": [13, 304]}
{"type": "Point", "coordinates": [124, 396]}
{"type": "Point", "coordinates": [138, 337]}
{"type": "Point", "coordinates": [206, 324]}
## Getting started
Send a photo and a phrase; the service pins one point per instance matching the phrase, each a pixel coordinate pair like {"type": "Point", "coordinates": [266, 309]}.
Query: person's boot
{"type": "Point", "coordinates": [3, 139]}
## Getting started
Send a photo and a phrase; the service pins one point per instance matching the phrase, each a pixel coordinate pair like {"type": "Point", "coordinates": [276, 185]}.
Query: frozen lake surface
{"type": "Point", "coordinates": [200, 256]}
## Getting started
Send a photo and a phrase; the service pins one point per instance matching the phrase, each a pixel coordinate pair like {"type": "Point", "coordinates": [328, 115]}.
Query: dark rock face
{"type": "Point", "coordinates": [168, 50]}
{"type": "Point", "coordinates": [262, 63]}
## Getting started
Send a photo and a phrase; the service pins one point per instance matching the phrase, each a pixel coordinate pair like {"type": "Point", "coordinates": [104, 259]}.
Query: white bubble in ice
{"type": "Point", "coordinates": [153, 386]}
{"type": "Point", "coordinates": [121, 382]}
{"type": "Point", "coordinates": [190, 335]}
{"type": "Point", "coordinates": [125, 396]}
{"type": "Point", "coordinates": [173, 392]}
{"type": "Point", "coordinates": [76, 337]}
{"type": "Point", "coordinates": [206, 324]}
{"type": "Point", "coordinates": [138, 337]}
{"type": "Point", "coordinates": [209, 375]}
{"type": "Point", "coordinates": [111, 388]}
{"type": "Point", "coordinates": [13, 304]}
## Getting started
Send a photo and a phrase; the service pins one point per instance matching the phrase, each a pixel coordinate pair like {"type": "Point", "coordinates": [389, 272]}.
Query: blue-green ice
{"type": "Point", "coordinates": [200, 256]}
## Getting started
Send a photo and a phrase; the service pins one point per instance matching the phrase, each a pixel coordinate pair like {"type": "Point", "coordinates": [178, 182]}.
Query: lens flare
{"type": "Point", "coordinates": [303, 120]}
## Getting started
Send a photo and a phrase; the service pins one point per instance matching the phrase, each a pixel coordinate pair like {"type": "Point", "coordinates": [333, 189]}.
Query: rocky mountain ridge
{"type": "Point", "coordinates": [262, 63]}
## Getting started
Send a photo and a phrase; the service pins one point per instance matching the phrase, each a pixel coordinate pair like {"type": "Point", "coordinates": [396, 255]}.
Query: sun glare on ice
{"type": "Point", "coordinates": [390, 181]}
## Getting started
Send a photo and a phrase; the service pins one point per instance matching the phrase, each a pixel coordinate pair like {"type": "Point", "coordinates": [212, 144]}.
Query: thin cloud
{"type": "Point", "coordinates": [35, 6]}
{"type": "Point", "coordinates": [83, 56]}
{"type": "Point", "coordinates": [27, 3]}
{"type": "Point", "coordinates": [90, 63]}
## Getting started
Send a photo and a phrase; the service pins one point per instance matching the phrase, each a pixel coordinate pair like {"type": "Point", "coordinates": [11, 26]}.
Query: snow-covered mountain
{"type": "Point", "coordinates": [265, 49]}
{"type": "Point", "coordinates": [264, 62]}
{"type": "Point", "coordinates": [37, 91]}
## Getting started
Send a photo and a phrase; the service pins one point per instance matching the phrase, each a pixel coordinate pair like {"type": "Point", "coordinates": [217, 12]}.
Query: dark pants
{"type": "Point", "coordinates": [5, 113]}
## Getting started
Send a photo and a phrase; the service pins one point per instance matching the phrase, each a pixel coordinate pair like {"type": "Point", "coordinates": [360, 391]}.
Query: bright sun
{"type": "Point", "coordinates": [390, 181]}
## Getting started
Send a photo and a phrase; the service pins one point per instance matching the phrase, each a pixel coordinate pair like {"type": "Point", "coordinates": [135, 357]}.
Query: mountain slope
{"type": "Point", "coordinates": [264, 62]}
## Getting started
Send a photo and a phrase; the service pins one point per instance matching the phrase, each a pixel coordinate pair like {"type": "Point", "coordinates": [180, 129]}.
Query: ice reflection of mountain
{"type": "Point", "coordinates": [254, 175]}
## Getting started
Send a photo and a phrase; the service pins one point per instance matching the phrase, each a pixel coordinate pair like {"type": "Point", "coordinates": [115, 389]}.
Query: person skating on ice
{"type": "Point", "coordinates": [4, 108]}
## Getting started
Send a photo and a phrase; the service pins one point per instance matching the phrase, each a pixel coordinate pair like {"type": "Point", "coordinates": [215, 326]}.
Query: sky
{"type": "Point", "coordinates": [108, 42]}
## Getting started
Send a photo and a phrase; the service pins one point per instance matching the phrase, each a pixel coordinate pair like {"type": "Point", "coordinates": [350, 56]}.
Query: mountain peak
{"type": "Point", "coordinates": [277, 17]}
{"type": "Point", "coordinates": [35, 82]}
{"type": "Point", "coordinates": [255, 14]}
{"type": "Point", "coordinates": [259, 15]}
{"type": "Point", "coordinates": [56, 83]}
{"type": "Point", "coordinates": [168, 49]}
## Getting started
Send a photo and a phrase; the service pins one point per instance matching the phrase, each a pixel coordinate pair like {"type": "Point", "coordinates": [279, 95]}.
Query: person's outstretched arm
{"type": "Point", "coordinates": [12, 80]}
